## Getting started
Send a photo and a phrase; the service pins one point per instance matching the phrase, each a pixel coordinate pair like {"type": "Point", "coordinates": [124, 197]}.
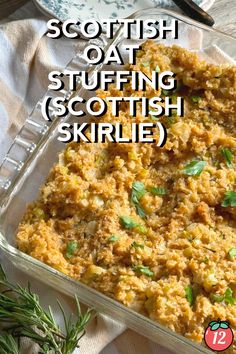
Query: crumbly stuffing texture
{"type": "Point", "coordinates": [173, 263]}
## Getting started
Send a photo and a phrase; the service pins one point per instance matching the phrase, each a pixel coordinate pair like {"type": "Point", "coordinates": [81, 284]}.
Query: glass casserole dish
{"type": "Point", "coordinates": [36, 148]}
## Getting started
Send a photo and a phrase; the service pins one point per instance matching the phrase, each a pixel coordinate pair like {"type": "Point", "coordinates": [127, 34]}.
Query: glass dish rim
{"type": "Point", "coordinates": [10, 192]}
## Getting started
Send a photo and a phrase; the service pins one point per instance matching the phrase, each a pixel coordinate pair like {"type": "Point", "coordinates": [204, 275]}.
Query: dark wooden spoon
{"type": "Point", "coordinates": [194, 11]}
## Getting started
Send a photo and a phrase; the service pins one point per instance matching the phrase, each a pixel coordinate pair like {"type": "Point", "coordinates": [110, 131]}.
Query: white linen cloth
{"type": "Point", "coordinates": [26, 57]}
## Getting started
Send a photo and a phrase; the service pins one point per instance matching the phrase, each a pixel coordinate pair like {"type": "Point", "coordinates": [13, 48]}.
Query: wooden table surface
{"type": "Point", "coordinates": [223, 11]}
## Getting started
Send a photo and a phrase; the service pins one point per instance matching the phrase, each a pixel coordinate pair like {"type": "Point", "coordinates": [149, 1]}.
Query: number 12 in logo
{"type": "Point", "coordinates": [218, 335]}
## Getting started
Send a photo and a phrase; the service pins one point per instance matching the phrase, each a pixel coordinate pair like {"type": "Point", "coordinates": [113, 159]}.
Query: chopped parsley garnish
{"type": "Point", "coordinates": [157, 69]}
{"type": "Point", "coordinates": [141, 229]}
{"type": "Point", "coordinates": [179, 86]}
{"type": "Point", "coordinates": [189, 294]}
{"type": "Point", "coordinates": [229, 199]}
{"type": "Point", "coordinates": [165, 92]}
{"type": "Point", "coordinates": [228, 156]}
{"type": "Point", "coordinates": [195, 99]}
{"type": "Point", "coordinates": [173, 113]}
{"type": "Point", "coordinates": [113, 238]}
{"type": "Point", "coordinates": [227, 298]}
{"type": "Point", "coordinates": [158, 190]}
{"type": "Point", "coordinates": [138, 191]}
{"type": "Point", "coordinates": [137, 245]}
{"type": "Point", "coordinates": [128, 222]}
{"type": "Point", "coordinates": [39, 213]}
{"type": "Point", "coordinates": [145, 63]}
{"type": "Point", "coordinates": [154, 117]}
{"type": "Point", "coordinates": [217, 298]}
{"type": "Point", "coordinates": [171, 120]}
{"type": "Point", "coordinates": [71, 248]}
{"type": "Point", "coordinates": [232, 253]}
{"type": "Point", "coordinates": [143, 270]}
{"type": "Point", "coordinates": [140, 211]}
{"type": "Point", "coordinates": [173, 98]}
{"type": "Point", "coordinates": [194, 168]}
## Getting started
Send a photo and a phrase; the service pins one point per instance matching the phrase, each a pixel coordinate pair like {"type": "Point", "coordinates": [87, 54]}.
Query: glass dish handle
{"type": "Point", "coordinates": [32, 136]}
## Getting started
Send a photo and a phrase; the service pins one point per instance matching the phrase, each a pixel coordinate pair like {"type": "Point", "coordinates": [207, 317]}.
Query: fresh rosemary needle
{"type": "Point", "coordinates": [21, 315]}
{"type": "Point", "coordinates": [8, 344]}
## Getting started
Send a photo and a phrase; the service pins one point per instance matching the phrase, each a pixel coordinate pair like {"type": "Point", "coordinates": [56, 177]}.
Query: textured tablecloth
{"type": "Point", "coordinates": [26, 57]}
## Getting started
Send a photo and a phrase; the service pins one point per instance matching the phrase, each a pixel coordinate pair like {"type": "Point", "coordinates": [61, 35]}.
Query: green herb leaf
{"type": "Point", "coordinates": [154, 117]}
{"type": "Point", "coordinates": [141, 229]}
{"type": "Point", "coordinates": [140, 211]}
{"type": "Point", "coordinates": [229, 298]}
{"type": "Point", "coordinates": [158, 190]}
{"type": "Point", "coordinates": [173, 114]}
{"type": "Point", "coordinates": [137, 245]}
{"type": "Point", "coordinates": [39, 213]}
{"type": "Point", "coordinates": [195, 99]}
{"type": "Point", "coordinates": [194, 168]}
{"type": "Point", "coordinates": [228, 292]}
{"type": "Point", "coordinates": [71, 248]}
{"type": "Point", "coordinates": [215, 327]}
{"type": "Point", "coordinates": [157, 69]}
{"type": "Point", "coordinates": [229, 199]}
{"type": "Point", "coordinates": [189, 294]}
{"type": "Point", "coordinates": [232, 253]}
{"type": "Point", "coordinates": [228, 156]}
{"type": "Point", "coordinates": [217, 298]}
{"type": "Point", "coordinates": [179, 86]}
{"type": "Point", "coordinates": [144, 270]}
{"type": "Point", "coordinates": [128, 222]}
{"type": "Point", "coordinates": [171, 120]}
{"type": "Point", "coordinates": [113, 238]}
{"type": "Point", "coordinates": [138, 191]}
{"type": "Point", "coordinates": [174, 99]}
{"type": "Point", "coordinates": [165, 92]}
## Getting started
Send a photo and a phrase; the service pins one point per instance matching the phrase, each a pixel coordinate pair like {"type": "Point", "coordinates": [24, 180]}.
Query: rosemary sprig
{"type": "Point", "coordinates": [21, 315]}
